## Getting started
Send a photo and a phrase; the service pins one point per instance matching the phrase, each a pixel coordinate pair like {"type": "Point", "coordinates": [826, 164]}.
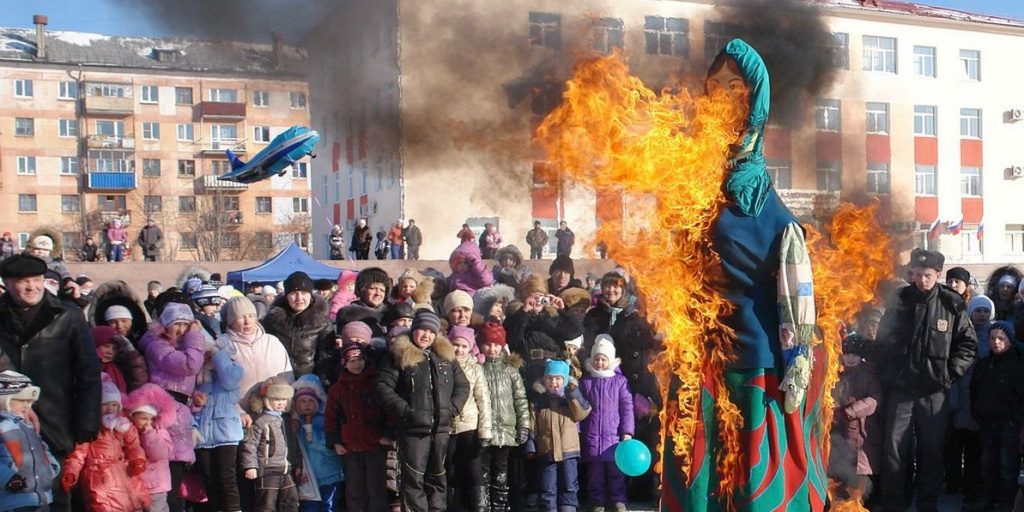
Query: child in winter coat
{"type": "Point", "coordinates": [997, 402]}
{"type": "Point", "coordinates": [555, 442]}
{"type": "Point", "coordinates": [354, 426]}
{"type": "Point", "coordinates": [119, 359]}
{"type": "Point", "coordinates": [220, 424]}
{"type": "Point", "coordinates": [510, 411]}
{"type": "Point", "coordinates": [310, 400]}
{"type": "Point", "coordinates": [471, 429]}
{"type": "Point", "coordinates": [109, 467]}
{"type": "Point", "coordinates": [27, 467]}
{"type": "Point", "coordinates": [610, 421]}
{"type": "Point", "coordinates": [270, 453]}
{"type": "Point", "coordinates": [152, 411]}
{"type": "Point", "coordinates": [856, 430]}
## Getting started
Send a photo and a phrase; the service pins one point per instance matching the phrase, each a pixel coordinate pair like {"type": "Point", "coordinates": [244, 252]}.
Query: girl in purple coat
{"type": "Point", "coordinates": [611, 421]}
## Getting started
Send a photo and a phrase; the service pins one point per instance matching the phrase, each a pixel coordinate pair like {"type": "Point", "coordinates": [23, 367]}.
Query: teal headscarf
{"type": "Point", "coordinates": [748, 183]}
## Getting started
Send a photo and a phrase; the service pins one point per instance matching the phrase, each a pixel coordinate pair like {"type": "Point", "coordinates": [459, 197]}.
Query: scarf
{"type": "Point", "coordinates": [244, 339]}
{"type": "Point", "coordinates": [116, 376]}
{"type": "Point", "coordinates": [748, 184]}
{"type": "Point", "coordinates": [615, 309]}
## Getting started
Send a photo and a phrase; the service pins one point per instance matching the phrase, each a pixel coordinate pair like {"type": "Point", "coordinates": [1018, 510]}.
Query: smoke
{"type": "Point", "coordinates": [234, 20]}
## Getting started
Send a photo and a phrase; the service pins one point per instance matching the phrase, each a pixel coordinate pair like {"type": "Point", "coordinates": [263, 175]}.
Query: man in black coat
{"type": "Point", "coordinates": [926, 342]}
{"type": "Point", "coordinates": [48, 340]}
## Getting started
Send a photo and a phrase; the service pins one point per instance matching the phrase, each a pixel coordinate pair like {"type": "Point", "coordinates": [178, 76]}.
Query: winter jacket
{"type": "Point", "coordinates": [117, 235]}
{"type": "Point", "coordinates": [211, 323]}
{"type": "Point", "coordinates": [184, 449]}
{"type": "Point", "coordinates": [611, 416]}
{"type": "Point", "coordinates": [476, 277]}
{"type": "Point", "coordinates": [157, 444]}
{"type": "Point", "coordinates": [510, 409]}
{"type": "Point", "coordinates": [635, 344]}
{"type": "Point", "coordinates": [173, 365]}
{"type": "Point", "coordinates": [537, 337]}
{"type": "Point", "coordinates": [566, 239]}
{"type": "Point", "coordinates": [7, 249]}
{"type": "Point", "coordinates": [219, 420]}
{"type": "Point", "coordinates": [361, 239]}
{"type": "Point", "coordinates": [476, 414]}
{"type": "Point", "coordinates": [55, 351]}
{"type": "Point", "coordinates": [413, 236]}
{"type": "Point", "coordinates": [353, 418]}
{"type": "Point", "coordinates": [262, 358]}
{"type": "Point", "coordinates": [261, 304]}
{"type": "Point", "coordinates": [857, 421]}
{"type": "Point", "coordinates": [342, 297]}
{"type": "Point", "coordinates": [556, 435]}
{"type": "Point", "coordinates": [363, 312]}
{"type": "Point", "coordinates": [117, 293]}
{"type": "Point", "coordinates": [101, 467]}
{"type": "Point", "coordinates": [88, 252]}
{"type": "Point", "coordinates": [395, 235]}
{"type": "Point", "coordinates": [513, 275]}
{"type": "Point", "coordinates": [997, 389]}
{"type": "Point", "coordinates": [960, 390]}
{"type": "Point", "coordinates": [151, 239]}
{"type": "Point", "coordinates": [270, 445]}
{"type": "Point", "coordinates": [422, 389]}
{"type": "Point", "coordinates": [326, 464]}
{"type": "Point", "coordinates": [308, 337]}
{"type": "Point", "coordinates": [492, 240]}
{"type": "Point", "coordinates": [23, 453]}
{"type": "Point", "coordinates": [466, 235]}
{"type": "Point", "coordinates": [926, 340]}
{"type": "Point", "coordinates": [554, 289]}
{"type": "Point", "coordinates": [537, 238]}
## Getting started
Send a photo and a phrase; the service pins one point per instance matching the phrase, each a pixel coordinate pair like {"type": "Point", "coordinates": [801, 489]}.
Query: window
{"type": "Point", "coordinates": [878, 117]}
{"type": "Point", "coordinates": [24, 126]}
{"type": "Point", "coordinates": [224, 132]}
{"type": "Point", "coordinates": [69, 165]}
{"type": "Point", "coordinates": [261, 98]}
{"type": "Point", "coordinates": [151, 167]}
{"type": "Point", "coordinates": [220, 167]}
{"type": "Point", "coordinates": [880, 54]}
{"type": "Point", "coordinates": [261, 134]}
{"type": "Point", "coordinates": [969, 243]}
{"type": "Point", "coordinates": [26, 165]}
{"type": "Point", "coordinates": [827, 117]}
{"type": "Point", "coordinates": [546, 30]}
{"type": "Point", "coordinates": [151, 131]}
{"type": "Point", "coordinates": [878, 178]}
{"type": "Point", "coordinates": [1015, 238]}
{"type": "Point", "coordinates": [230, 240]}
{"type": "Point", "coordinates": [608, 34]}
{"type": "Point", "coordinates": [781, 173]}
{"type": "Point", "coordinates": [108, 90]}
{"type": "Point", "coordinates": [183, 95]}
{"type": "Point", "coordinates": [70, 203]}
{"type": "Point", "coordinates": [23, 89]}
{"type": "Point", "coordinates": [153, 204]}
{"type": "Point", "coordinates": [841, 50]}
{"type": "Point", "coordinates": [970, 123]}
{"type": "Point", "coordinates": [970, 64]}
{"type": "Point", "coordinates": [297, 100]}
{"type": "Point", "coordinates": [186, 132]}
{"type": "Point", "coordinates": [924, 120]}
{"type": "Point", "coordinates": [186, 204]}
{"type": "Point", "coordinates": [111, 203]}
{"type": "Point", "coordinates": [227, 204]}
{"type": "Point", "coordinates": [112, 161]}
{"type": "Point", "coordinates": [187, 241]}
{"type": "Point", "coordinates": [829, 177]}
{"type": "Point", "coordinates": [924, 61]}
{"type": "Point", "coordinates": [970, 181]}
{"type": "Point", "coordinates": [186, 168]}
{"type": "Point", "coordinates": [67, 90]}
{"type": "Point", "coordinates": [667, 36]}
{"type": "Point", "coordinates": [264, 240]}
{"type": "Point", "coordinates": [264, 205]}
{"type": "Point", "coordinates": [224, 95]}
{"type": "Point", "coordinates": [26, 202]}
{"type": "Point", "coordinates": [150, 94]}
{"type": "Point", "coordinates": [300, 170]}
{"type": "Point", "coordinates": [67, 128]}
{"type": "Point", "coordinates": [110, 128]}
{"type": "Point", "coordinates": [924, 180]}
{"type": "Point", "coordinates": [300, 204]}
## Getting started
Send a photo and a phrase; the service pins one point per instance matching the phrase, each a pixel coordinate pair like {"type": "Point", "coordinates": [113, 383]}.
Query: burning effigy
{"type": "Point", "coordinates": [748, 365]}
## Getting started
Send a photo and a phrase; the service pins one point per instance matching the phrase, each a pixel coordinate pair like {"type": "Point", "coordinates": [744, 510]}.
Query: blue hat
{"type": "Point", "coordinates": [560, 368]}
{"type": "Point", "coordinates": [1004, 326]}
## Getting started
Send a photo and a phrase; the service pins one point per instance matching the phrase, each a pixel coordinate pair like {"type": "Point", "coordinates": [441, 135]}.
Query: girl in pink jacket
{"type": "Point", "coordinates": [153, 411]}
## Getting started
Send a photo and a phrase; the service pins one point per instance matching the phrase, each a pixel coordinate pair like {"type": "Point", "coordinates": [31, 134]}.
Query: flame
{"type": "Point", "coordinates": [667, 154]}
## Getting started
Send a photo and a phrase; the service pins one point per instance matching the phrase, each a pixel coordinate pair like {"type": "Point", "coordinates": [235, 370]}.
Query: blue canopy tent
{"type": "Point", "coordinates": [275, 269]}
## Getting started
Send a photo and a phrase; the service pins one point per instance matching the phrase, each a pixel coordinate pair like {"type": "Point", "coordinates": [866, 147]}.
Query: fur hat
{"type": "Point", "coordinates": [274, 387]}
{"type": "Point", "coordinates": [534, 283]}
{"type": "Point", "coordinates": [14, 385]}
{"type": "Point", "coordinates": [982, 301]}
{"type": "Point", "coordinates": [235, 308]}
{"type": "Point", "coordinates": [109, 391]}
{"type": "Point", "coordinates": [372, 275]}
{"type": "Point", "coordinates": [323, 285]}
{"type": "Point", "coordinates": [457, 299]}
{"type": "Point", "coordinates": [152, 399]}
{"type": "Point", "coordinates": [309, 385]}
{"type": "Point", "coordinates": [492, 332]}
{"type": "Point", "coordinates": [485, 298]}
{"type": "Point", "coordinates": [921, 258]}
{"type": "Point", "coordinates": [358, 330]}
{"type": "Point", "coordinates": [174, 312]}
{"type": "Point", "coordinates": [345, 277]}
{"type": "Point", "coordinates": [573, 296]}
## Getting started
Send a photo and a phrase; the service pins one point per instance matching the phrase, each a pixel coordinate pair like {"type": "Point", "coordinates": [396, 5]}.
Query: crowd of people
{"type": "Point", "coordinates": [485, 387]}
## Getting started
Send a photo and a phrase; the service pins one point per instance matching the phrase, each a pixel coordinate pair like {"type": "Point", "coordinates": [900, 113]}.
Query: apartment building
{"type": "Point", "coordinates": [96, 127]}
{"type": "Point", "coordinates": [441, 99]}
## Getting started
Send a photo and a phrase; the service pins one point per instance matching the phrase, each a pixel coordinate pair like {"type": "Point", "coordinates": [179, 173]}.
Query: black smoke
{"type": "Point", "coordinates": [234, 20]}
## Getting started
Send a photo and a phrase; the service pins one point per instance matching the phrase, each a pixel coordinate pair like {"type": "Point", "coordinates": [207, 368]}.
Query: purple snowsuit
{"type": "Point", "coordinates": [611, 418]}
{"type": "Point", "coordinates": [478, 276]}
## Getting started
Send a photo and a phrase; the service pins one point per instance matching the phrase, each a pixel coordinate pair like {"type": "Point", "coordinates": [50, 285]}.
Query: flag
{"type": "Point", "coordinates": [954, 227]}
{"type": "Point", "coordinates": [933, 230]}
{"type": "Point", "coordinates": [981, 228]}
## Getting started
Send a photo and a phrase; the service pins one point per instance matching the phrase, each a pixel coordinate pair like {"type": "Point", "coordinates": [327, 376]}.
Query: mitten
{"type": "Point", "coordinates": [137, 467]}
{"type": "Point", "coordinates": [68, 481]}
{"type": "Point", "coordinates": [16, 483]}
{"type": "Point", "coordinates": [522, 436]}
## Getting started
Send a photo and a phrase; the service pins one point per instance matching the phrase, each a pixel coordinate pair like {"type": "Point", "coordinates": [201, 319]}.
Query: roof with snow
{"type": "Point", "coordinates": [922, 10]}
{"type": "Point", "coordinates": [172, 54]}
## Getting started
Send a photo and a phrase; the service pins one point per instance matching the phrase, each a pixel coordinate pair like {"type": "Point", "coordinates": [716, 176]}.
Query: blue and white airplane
{"type": "Point", "coordinates": [291, 145]}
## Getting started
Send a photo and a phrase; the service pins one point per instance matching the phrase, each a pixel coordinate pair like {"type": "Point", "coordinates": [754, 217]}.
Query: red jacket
{"type": "Point", "coordinates": [102, 468]}
{"type": "Point", "coordinates": [353, 418]}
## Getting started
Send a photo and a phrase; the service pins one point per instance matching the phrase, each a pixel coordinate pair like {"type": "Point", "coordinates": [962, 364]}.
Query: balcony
{"type": "Point", "coordinates": [110, 180]}
{"type": "Point", "coordinates": [217, 146]}
{"type": "Point", "coordinates": [109, 106]}
{"type": "Point", "coordinates": [109, 142]}
{"type": "Point", "coordinates": [211, 183]}
{"type": "Point", "coordinates": [221, 110]}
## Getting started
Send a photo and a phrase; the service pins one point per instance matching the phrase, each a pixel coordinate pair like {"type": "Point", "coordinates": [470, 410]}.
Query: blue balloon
{"type": "Point", "coordinates": [632, 457]}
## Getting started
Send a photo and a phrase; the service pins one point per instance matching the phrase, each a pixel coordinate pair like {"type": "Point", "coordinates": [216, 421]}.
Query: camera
{"type": "Point", "coordinates": [544, 301]}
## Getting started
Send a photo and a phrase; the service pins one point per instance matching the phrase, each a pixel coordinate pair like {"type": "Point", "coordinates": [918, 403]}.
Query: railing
{"type": "Point", "coordinates": [110, 180]}
{"type": "Point", "coordinates": [110, 142]}
{"type": "Point", "coordinates": [109, 105]}
{"type": "Point", "coordinates": [210, 182]}
{"type": "Point", "coordinates": [220, 109]}
{"type": "Point", "coordinates": [237, 146]}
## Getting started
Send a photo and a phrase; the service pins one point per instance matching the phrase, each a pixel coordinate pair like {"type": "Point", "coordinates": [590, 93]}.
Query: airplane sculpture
{"type": "Point", "coordinates": [288, 147]}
